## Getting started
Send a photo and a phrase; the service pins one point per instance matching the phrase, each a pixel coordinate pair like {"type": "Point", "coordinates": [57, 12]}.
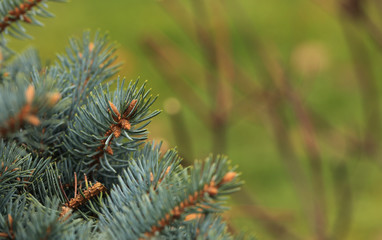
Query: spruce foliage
{"type": "Point", "coordinates": [75, 163]}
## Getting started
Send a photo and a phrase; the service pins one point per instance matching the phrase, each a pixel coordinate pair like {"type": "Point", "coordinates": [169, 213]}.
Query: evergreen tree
{"type": "Point", "coordinates": [74, 160]}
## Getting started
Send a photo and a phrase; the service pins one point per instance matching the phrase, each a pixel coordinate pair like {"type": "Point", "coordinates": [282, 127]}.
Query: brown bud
{"type": "Point", "coordinates": [162, 222]}
{"type": "Point", "coordinates": [228, 177]}
{"type": "Point", "coordinates": [212, 183]}
{"type": "Point", "coordinates": [29, 94]}
{"type": "Point", "coordinates": [130, 108]}
{"type": "Point", "coordinates": [212, 191]}
{"type": "Point", "coordinates": [91, 46]}
{"type": "Point", "coordinates": [32, 119]}
{"type": "Point", "coordinates": [53, 98]}
{"type": "Point", "coordinates": [196, 195]}
{"type": "Point", "coordinates": [192, 216]}
{"type": "Point", "coordinates": [27, 19]}
{"type": "Point", "coordinates": [125, 124]}
{"type": "Point", "coordinates": [65, 213]}
{"type": "Point", "coordinates": [176, 212]}
{"type": "Point", "coordinates": [10, 220]}
{"type": "Point", "coordinates": [4, 235]}
{"type": "Point", "coordinates": [191, 199]}
{"type": "Point", "coordinates": [109, 150]}
{"type": "Point", "coordinates": [115, 110]}
{"type": "Point", "coordinates": [25, 111]}
{"type": "Point", "coordinates": [116, 130]}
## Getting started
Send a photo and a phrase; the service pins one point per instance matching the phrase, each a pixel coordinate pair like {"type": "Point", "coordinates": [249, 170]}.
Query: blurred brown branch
{"type": "Point", "coordinates": [220, 91]}
{"type": "Point", "coordinates": [341, 226]}
{"type": "Point", "coordinates": [269, 222]}
{"type": "Point", "coordinates": [219, 76]}
{"type": "Point", "coordinates": [309, 141]}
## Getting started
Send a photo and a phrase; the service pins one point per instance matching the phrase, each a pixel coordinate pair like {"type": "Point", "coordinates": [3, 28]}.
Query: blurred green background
{"type": "Point", "coordinates": [289, 90]}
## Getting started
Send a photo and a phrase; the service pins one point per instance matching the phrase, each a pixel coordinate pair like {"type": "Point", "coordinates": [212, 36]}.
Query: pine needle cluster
{"type": "Point", "coordinates": [75, 162]}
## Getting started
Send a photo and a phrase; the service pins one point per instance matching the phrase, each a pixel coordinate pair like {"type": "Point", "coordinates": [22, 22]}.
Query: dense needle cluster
{"type": "Point", "coordinates": [18, 13]}
{"type": "Point", "coordinates": [75, 160]}
{"type": "Point", "coordinates": [122, 122]}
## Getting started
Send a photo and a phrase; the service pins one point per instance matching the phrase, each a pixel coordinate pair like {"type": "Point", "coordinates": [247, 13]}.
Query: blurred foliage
{"type": "Point", "coordinates": [314, 70]}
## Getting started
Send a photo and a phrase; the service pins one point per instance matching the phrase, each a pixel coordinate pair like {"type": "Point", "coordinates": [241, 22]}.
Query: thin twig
{"type": "Point", "coordinates": [344, 201]}
{"type": "Point", "coordinates": [368, 89]}
{"type": "Point", "coordinates": [250, 207]}
{"type": "Point", "coordinates": [310, 144]}
{"type": "Point", "coordinates": [164, 57]}
{"type": "Point", "coordinates": [62, 190]}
